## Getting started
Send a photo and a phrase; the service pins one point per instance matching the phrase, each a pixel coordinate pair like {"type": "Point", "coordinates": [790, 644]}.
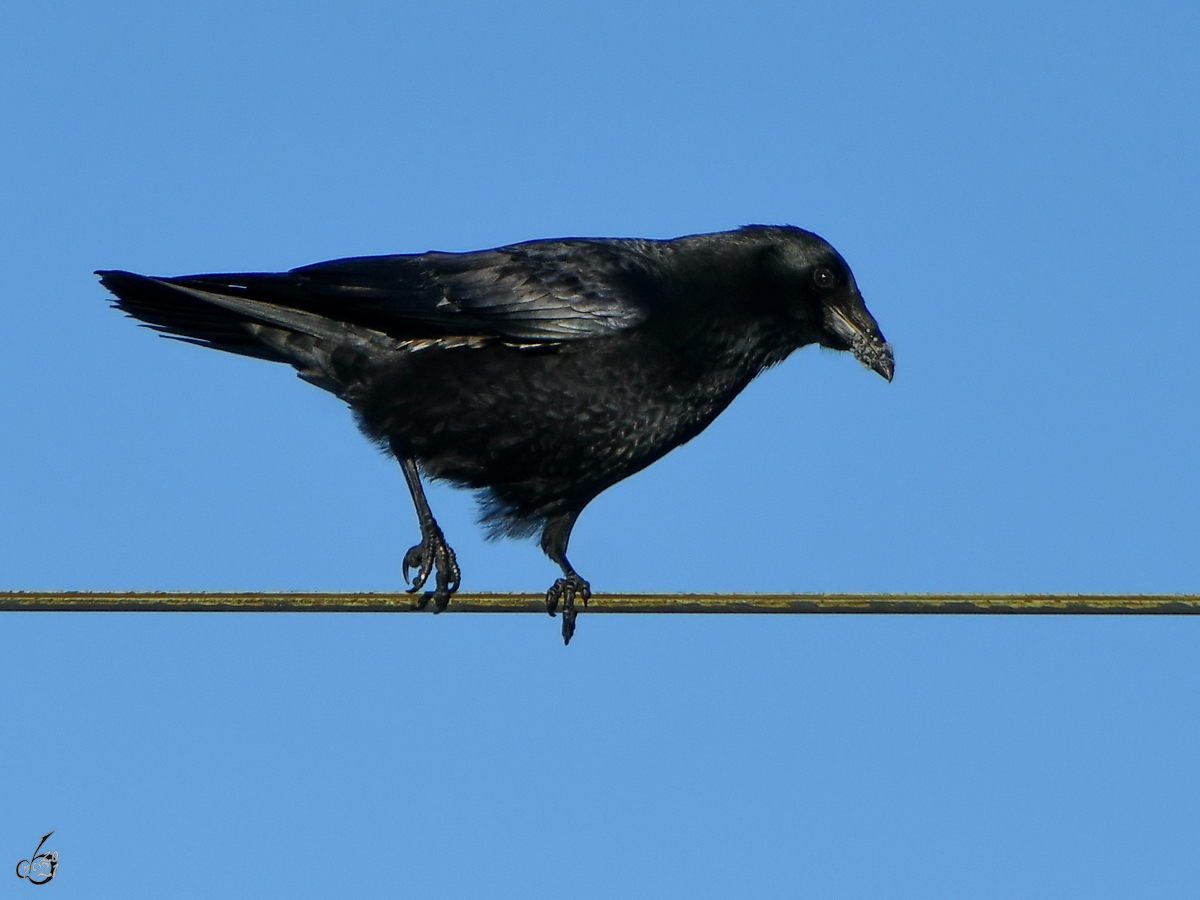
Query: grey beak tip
{"type": "Point", "coordinates": [876, 356]}
{"type": "Point", "coordinates": [887, 367]}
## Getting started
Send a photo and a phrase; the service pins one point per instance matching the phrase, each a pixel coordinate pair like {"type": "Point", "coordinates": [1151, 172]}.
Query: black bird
{"type": "Point", "coordinates": [538, 374]}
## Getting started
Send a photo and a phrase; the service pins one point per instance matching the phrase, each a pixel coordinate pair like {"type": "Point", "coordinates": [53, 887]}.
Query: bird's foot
{"type": "Point", "coordinates": [567, 590]}
{"type": "Point", "coordinates": [433, 554]}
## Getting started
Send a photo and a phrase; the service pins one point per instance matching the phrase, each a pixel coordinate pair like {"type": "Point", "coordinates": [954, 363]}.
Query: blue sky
{"type": "Point", "coordinates": [1016, 191]}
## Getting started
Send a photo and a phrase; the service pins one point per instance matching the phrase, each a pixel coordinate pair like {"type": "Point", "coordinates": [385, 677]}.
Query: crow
{"type": "Point", "coordinates": [538, 374]}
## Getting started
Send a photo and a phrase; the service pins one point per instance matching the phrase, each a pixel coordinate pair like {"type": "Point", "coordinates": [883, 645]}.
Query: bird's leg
{"type": "Point", "coordinates": [433, 553]}
{"type": "Point", "coordinates": [570, 587]}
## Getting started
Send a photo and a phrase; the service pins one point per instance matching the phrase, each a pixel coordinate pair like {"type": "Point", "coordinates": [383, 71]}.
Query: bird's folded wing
{"type": "Point", "coordinates": [552, 291]}
{"type": "Point", "coordinates": [540, 292]}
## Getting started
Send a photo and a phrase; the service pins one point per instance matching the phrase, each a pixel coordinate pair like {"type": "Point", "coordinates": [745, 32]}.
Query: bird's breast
{"type": "Point", "coordinates": [585, 411]}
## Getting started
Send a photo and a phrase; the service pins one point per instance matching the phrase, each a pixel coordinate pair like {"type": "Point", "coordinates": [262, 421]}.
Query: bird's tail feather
{"type": "Point", "coordinates": [163, 307]}
{"type": "Point", "coordinates": [317, 346]}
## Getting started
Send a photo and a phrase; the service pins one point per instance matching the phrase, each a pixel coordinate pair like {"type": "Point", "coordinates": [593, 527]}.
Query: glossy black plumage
{"type": "Point", "coordinates": [538, 374]}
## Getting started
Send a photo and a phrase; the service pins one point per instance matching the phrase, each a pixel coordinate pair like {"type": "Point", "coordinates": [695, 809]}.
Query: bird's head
{"type": "Point", "coordinates": [822, 299]}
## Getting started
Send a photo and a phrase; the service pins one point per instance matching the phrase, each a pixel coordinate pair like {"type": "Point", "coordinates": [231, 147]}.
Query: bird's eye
{"type": "Point", "coordinates": [824, 278]}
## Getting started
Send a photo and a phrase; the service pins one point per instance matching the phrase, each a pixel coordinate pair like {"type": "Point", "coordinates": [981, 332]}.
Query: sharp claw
{"type": "Point", "coordinates": [429, 556]}
{"type": "Point", "coordinates": [441, 599]}
{"type": "Point", "coordinates": [414, 559]}
{"type": "Point", "coordinates": [567, 590]}
{"type": "Point", "coordinates": [421, 559]}
{"type": "Point", "coordinates": [416, 585]}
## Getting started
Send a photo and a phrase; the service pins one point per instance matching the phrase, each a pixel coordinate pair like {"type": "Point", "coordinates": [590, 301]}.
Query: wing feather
{"type": "Point", "coordinates": [543, 291]}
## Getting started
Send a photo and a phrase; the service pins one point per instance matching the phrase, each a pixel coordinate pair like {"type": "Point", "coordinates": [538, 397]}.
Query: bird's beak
{"type": "Point", "coordinates": [866, 343]}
